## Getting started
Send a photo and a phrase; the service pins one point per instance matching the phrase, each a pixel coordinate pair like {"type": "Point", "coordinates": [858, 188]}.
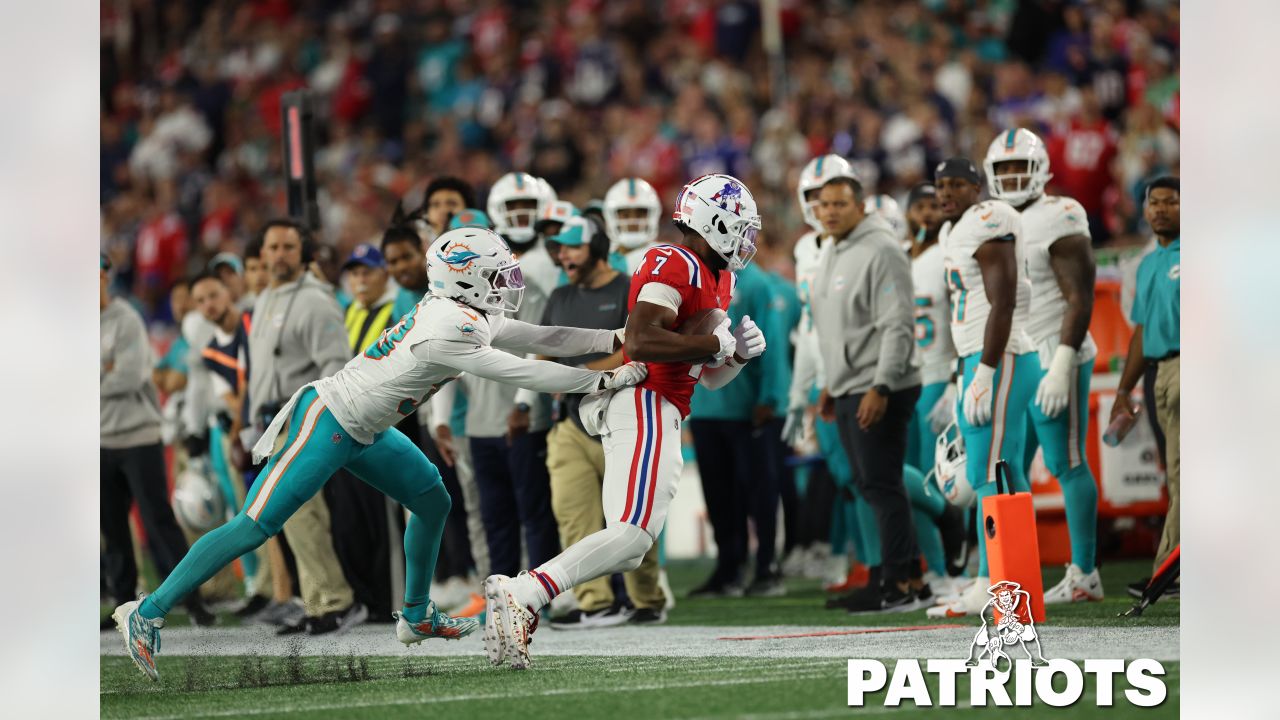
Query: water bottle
{"type": "Point", "coordinates": [1121, 427]}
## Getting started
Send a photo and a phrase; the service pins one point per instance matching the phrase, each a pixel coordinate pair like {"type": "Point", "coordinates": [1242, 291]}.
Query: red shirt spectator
{"type": "Point", "coordinates": [161, 251]}
{"type": "Point", "coordinates": [1080, 159]}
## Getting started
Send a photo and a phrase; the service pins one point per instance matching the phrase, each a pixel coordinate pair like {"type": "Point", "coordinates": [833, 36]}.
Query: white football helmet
{"type": "Point", "coordinates": [518, 188]}
{"type": "Point", "coordinates": [626, 194]}
{"type": "Point", "coordinates": [197, 499]}
{"type": "Point", "coordinates": [1017, 144]}
{"type": "Point", "coordinates": [817, 173]}
{"type": "Point", "coordinates": [889, 210]}
{"type": "Point", "coordinates": [949, 471]}
{"type": "Point", "coordinates": [475, 267]}
{"type": "Point", "coordinates": [720, 209]}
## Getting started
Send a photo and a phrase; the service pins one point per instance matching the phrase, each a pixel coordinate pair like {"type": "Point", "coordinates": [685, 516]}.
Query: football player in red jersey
{"type": "Point", "coordinates": [640, 427]}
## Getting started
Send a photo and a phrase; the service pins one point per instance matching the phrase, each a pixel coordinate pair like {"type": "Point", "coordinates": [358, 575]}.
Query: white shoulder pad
{"type": "Point", "coordinates": [444, 319]}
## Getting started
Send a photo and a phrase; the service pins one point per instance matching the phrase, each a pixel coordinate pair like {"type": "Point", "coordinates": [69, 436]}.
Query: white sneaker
{"type": "Point", "coordinates": [509, 625]}
{"type": "Point", "coordinates": [818, 562]}
{"type": "Point", "coordinates": [970, 603]}
{"type": "Point", "coordinates": [835, 569]}
{"type": "Point", "coordinates": [946, 589]}
{"type": "Point", "coordinates": [793, 565]}
{"type": "Point", "coordinates": [1075, 587]}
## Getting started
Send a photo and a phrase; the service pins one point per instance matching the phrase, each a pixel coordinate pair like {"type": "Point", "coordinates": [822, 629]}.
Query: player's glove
{"type": "Point", "coordinates": [1055, 387]}
{"type": "Point", "coordinates": [727, 344]}
{"type": "Point", "coordinates": [633, 373]}
{"type": "Point", "coordinates": [793, 426]}
{"type": "Point", "coordinates": [944, 411]}
{"type": "Point", "coordinates": [749, 338]}
{"type": "Point", "coordinates": [978, 396]}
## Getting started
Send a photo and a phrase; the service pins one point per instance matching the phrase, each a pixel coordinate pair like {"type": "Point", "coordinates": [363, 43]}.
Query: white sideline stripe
{"type": "Point", "coordinates": [759, 678]}
{"type": "Point", "coordinates": [299, 440]}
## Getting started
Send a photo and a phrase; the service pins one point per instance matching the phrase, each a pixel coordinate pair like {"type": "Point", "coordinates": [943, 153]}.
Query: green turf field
{"type": "Point", "coordinates": [609, 684]}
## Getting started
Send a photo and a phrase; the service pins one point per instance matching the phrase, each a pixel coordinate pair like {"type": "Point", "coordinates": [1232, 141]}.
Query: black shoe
{"type": "Point", "coordinates": [200, 614]}
{"type": "Point", "coordinates": [253, 606]}
{"type": "Point", "coordinates": [338, 621]}
{"type": "Point", "coordinates": [925, 595]}
{"type": "Point", "coordinates": [890, 599]}
{"type": "Point", "coordinates": [951, 524]}
{"type": "Point", "coordinates": [589, 619]}
{"type": "Point", "coordinates": [648, 616]}
{"type": "Point", "coordinates": [715, 589]}
{"type": "Point", "coordinates": [766, 586]}
{"type": "Point", "coordinates": [1137, 588]}
{"type": "Point", "coordinates": [295, 627]}
{"type": "Point", "coordinates": [865, 599]}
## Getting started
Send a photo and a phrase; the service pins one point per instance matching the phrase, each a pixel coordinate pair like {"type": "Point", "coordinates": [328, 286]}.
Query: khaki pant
{"type": "Point", "coordinates": [575, 462]}
{"type": "Point", "coordinates": [1168, 412]}
{"type": "Point", "coordinates": [324, 587]}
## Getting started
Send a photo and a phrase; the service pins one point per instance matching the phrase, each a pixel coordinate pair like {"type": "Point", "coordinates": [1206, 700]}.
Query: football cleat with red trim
{"type": "Point", "coordinates": [435, 625]}
{"type": "Point", "coordinates": [509, 624]}
{"type": "Point", "coordinates": [141, 636]}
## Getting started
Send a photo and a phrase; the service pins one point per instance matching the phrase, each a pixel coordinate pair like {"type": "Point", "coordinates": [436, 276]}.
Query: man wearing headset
{"type": "Point", "coordinates": [297, 337]}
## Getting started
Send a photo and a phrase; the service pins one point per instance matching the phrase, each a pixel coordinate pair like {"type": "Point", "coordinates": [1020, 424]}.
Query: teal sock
{"type": "Point", "coordinates": [212, 552]}
{"type": "Point", "coordinates": [422, 543]}
{"type": "Point", "coordinates": [839, 526]}
{"type": "Point", "coordinates": [929, 540]}
{"type": "Point", "coordinates": [868, 529]}
{"type": "Point", "coordinates": [415, 613]}
{"type": "Point", "coordinates": [924, 496]}
{"type": "Point", "coordinates": [1080, 495]}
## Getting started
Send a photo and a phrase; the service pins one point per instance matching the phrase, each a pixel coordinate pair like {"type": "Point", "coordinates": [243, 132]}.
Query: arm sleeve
{"type": "Point", "coordinates": [660, 294]}
{"type": "Point", "coordinates": [131, 366]}
{"type": "Point", "coordinates": [718, 377]}
{"type": "Point", "coordinates": [892, 306]}
{"type": "Point", "coordinates": [553, 341]}
{"type": "Point", "coordinates": [492, 364]}
{"type": "Point", "coordinates": [323, 334]}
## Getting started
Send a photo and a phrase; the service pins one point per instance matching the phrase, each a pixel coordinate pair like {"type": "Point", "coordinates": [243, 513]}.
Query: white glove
{"type": "Point", "coordinates": [633, 373]}
{"type": "Point", "coordinates": [749, 338]}
{"type": "Point", "coordinates": [944, 411]}
{"type": "Point", "coordinates": [1055, 387]}
{"type": "Point", "coordinates": [793, 426]}
{"type": "Point", "coordinates": [727, 344]}
{"type": "Point", "coordinates": [978, 399]}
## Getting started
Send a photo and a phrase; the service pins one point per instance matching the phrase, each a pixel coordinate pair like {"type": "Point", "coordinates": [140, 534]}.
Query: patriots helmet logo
{"type": "Point", "coordinates": [731, 192]}
{"type": "Point", "coordinates": [457, 257]}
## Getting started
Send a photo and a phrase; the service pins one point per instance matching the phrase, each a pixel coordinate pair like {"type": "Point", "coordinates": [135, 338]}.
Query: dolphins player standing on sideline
{"type": "Point", "coordinates": [984, 256]}
{"type": "Point", "coordinates": [1061, 269]}
{"type": "Point", "coordinates": [347, 420]}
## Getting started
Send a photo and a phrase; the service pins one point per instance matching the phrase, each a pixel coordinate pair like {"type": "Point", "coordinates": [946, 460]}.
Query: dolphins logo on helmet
{"type": "Point", "coordinates": [457, 257]}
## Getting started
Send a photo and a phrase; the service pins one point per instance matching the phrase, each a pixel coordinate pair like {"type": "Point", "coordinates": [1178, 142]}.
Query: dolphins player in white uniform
{"type": "Point", "coordinates": [348, 420]}
{"type": "Point", "coordinates": [1061, 268]}
{"type": "Point", "coordinates": [985, 263]}
{"type": "Point", "coordinates": [631, 214]}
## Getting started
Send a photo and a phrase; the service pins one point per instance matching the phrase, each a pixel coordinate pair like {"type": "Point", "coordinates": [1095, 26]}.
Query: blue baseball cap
{"type": "Point", "coordinates": [367, 255]}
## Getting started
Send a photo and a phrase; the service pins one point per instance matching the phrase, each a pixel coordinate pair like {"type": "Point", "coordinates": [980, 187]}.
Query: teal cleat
{"type": "Point", "coordinates": [435, 625]}
{"type": "Point", "coordinates": [141, 636]}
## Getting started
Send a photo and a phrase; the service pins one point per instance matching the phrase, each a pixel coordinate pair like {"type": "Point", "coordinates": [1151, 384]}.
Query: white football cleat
{"type": "Point", "coordinates": [435, 625]}
{"type": "Point", "coordinates": [969, 603]}
{"type": "Point", "coordinates": [1075, 587]}
{"type": "Point", "coordinates": [141, 636]}
{"type": "Point", "coordinates": [512, 624]}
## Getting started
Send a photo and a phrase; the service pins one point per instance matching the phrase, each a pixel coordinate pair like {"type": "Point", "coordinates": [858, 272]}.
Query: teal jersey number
{"type": "Point", "coordinates": [392, 336]}
{"type": "Point", "coordinates": [925, 332]}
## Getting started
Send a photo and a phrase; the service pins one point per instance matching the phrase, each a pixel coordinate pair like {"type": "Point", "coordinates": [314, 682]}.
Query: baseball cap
{"type": "Point", "coordinates": [920, 192]}
{"type": "Point", "coordinates": [229, 259]}
{"type": "Point", "coordinates": [470, 217]}
{"type": "Point", "coordinates": [367, 255]}
{"type": "Point", "coordinates": [958, 167]}
{"type": "Point", "coordinates": [576, 231]}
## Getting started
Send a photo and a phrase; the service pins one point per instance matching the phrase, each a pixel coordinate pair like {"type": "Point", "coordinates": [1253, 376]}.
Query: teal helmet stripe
{"type": "Point", "coordinates": [1008, 141]}
{"type": "Point", "coordinates": [817, 170]}
{"type": "Point", "coordinates": [631, 187]}
{"type": "Point", "coordinates": [519, 181]}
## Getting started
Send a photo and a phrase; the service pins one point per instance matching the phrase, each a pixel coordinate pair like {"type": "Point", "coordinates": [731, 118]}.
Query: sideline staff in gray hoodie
{"type": "Point", "coordinates": [131, 456]}
{"type": "Point", "coordinates": [863, 312]}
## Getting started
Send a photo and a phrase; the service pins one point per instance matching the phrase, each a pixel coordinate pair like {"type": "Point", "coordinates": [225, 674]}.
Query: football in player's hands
{"type": "Point", "coordinates": [712, 321]}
